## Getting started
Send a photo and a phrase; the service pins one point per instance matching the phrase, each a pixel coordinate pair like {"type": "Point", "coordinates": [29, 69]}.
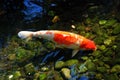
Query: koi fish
{"type": "Point", "coordinates": [62, 39]}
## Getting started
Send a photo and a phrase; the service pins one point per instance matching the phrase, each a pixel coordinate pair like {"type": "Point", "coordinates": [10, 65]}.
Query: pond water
{"type": "Point", "coordinates": [40, 59]}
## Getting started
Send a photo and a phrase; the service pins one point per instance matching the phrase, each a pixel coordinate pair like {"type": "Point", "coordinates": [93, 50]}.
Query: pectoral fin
{"type": "Point", "coordinates": [75, 51]}
{"type": "Point", "coordinates": [28, 39]}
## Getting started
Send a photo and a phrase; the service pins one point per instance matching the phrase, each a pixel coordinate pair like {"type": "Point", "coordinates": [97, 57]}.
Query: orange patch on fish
{"type": "Point", "coordinates": [48, 32]}
{"type": "Point", "coordinates": [64, 39]}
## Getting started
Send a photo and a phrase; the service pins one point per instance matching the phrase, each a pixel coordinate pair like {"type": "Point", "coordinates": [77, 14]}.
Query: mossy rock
{"type": "Point", "coordinates": [91, 66]}
{"type": "Point", "coordinates": [108, 52]}
{"type": "Point", "coordinates": [116, 29]}
{"type": "Point", "coordinates": [99, 40]}
{"type": "Point", "coordinates": [82, 68]}
{"type": "Point", "coordinates": [66, 73]}
{"type": "Point", "coordinates": [59, 64]}
{"type": "Point", "coordinates": [110, 22]}
{"type": "Point", "coordinates": [102, 22]}
{"type": "Point", "coordinates": [42, 76]}
{"type": "Point", "coordinates": [57, 76]}
{"type": "Point", "coordinates": [108, 41]}
{"type": "Point", "coordinates": [99, 76]}
{"type": "Point", "coordinates": [16, 75]}
{"type": "Point", "coordinates": [23, 55]}
{"type": "Point", "coordinates": [102, 47]}
{"type": "Point", "coordinates": [11, 56]}
{"type": "Point", "coordinates": [107, 59]}
{"type": "Point", "coordinates": [115, 69]}
{"type": "Point", "coordinates": [111, 77]}
{"type": "Point", "coordinates": [53, 75]}
{"type": "Point", "coordinates": [98, 62]}
{"type": "Point", "coordinates": [80, 27]}
{"type": "Point", "coordinates": [49, 45]}
{"type": "Point", "coordinates": [71, 62]}
{"type": "Point", "coordinates": [102, 69]}
{"type": "Point", "coordinates": [97, 54]}
{"type": "Point", "coordinates": [29, 68]}
{"type": "Point", "coordinates": [36, 75]}
{"type": "Point", "coordinates": [31, 45]}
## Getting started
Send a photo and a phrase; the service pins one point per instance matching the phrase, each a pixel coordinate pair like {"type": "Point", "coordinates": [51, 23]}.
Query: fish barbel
{"type": "Point", "coordinates": [62, 39]}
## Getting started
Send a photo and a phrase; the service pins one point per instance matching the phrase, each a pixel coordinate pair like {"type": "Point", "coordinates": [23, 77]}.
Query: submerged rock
{"type": "Point", "coordinates": [44, 68]}
{"type": "Point", "coordinates": [90, 65]}
{"type": "Point", "coordinates": [57, 76]}
{"type": "Point", "coordinates": [66, 73]}
{"type": "Point", "coordinates": [115, 69]}
{"type": "Point", "coordinates": [29, 68]}
{"type": "Point", "coordinates": [97, 54]}
{"type": "Point", "coordinates": [17, 75]}
{"type": "Point", "coordinates": [71, 62]}
{"type": "Point", "coordinates": [111, 77]}
{"type": "Point", "coordinates": [108, 41]}
{"type": "Point", "coordinates": [49, 45]}
{"type": "Point", "coordinates": [102, 47]}
{"type": "Point", "coordinates": [99, 76]}
{"type": "Point", "coordinates": [116, 29]}
{"type": "Point", "coordinates": [59, 64]}
{"type": "Point", "coordinates": [36, 75]}
{"type": "Point", "coordinates": [110, 22]}
{"type": "Point", "coordinates": [23, 55]}
{"type": "Point", "coordinates": [82, 68]}
{"type": "Point", "coordinates": [101, 69]}
{"type": "Point", "coordinates": [42, 76]}
{"type": "Point", "coordinates": [102, 22]}
{"type": "Point", "coordinates": [11, 56]}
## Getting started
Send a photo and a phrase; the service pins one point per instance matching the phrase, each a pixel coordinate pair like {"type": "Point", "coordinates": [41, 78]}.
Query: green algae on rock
{"type": "Point", "coordinates": [107, 41]}
{"type": "Point", "coordinates": [17, 75]}
{"type": "Point", "coordinates": [110, 22]}
{"type": "Point", "coordinates": [29, 69]}
{"type": "Point", "coordinates": [102, 47]}
{"type": "Point", "coordinates": [59, 64]}
{"type": "Point", "coordinates": [115, 68]}
{"type": "Point", "coordinates": [102, 22]}
{"type": "Point", "coordinates": [116, 29]}
{"type": "Point", "coordinates": [42, 76]}
{"type": "Point", "coordinates": [11, 57]}
{"type": "Point", "coordinates": [23, 55]}
{"type": "Point", "coordinates": [99, 76]}
{"type": "Point", "coordinates": [50, 45]}
{"type": "Point", "coordinates": [111, 77]}
{"type": "Point", "coordinates": [57, 75]}
{"type": "Point", "coordinates": [91, 66]}
{"type": "Point", "coordinates": [101, 69]}
{"type": "Point", "coordinates": [52, 74]}
{"type": "Point", "coordinates": [71, 62]}
{"type": "Point", "coordinates": [97, 54]}
{"type": "Point", "coordinates": [82, 68]}
{"type": "Point", "coordinates": [44, 68]}
{"type": "Point", "coordinates": [66, 73]}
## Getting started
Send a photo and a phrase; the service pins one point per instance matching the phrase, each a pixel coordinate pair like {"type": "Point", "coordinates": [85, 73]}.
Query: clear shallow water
{"type": "Point", "coordinates": [101, 25]}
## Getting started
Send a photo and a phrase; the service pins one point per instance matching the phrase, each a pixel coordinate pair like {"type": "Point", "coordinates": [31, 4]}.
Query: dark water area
{"type": "Point", "coordinates": [40, 59]}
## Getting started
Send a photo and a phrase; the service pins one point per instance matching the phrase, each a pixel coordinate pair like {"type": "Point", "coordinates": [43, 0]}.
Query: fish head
{"type": "Point", "coordinates": [25, 34]}
{"type": "Point", "coordinates": [89, 45]}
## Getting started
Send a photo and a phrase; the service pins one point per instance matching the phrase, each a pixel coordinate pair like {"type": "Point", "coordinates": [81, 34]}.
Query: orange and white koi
{"type": "Point", "coordinates": [62, 39]}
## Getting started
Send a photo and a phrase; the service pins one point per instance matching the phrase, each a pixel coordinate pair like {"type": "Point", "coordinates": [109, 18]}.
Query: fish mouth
{"type": "Point", "coordinates": [20, 35]}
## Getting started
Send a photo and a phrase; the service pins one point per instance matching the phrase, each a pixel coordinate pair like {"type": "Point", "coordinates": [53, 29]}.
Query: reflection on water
{"type": "Point", "coordinates": [50, 55]}
{"type": "Point", "coordinates": [32, 10]}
